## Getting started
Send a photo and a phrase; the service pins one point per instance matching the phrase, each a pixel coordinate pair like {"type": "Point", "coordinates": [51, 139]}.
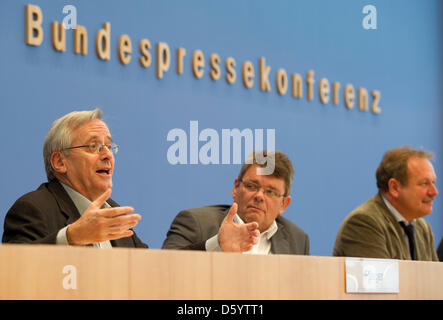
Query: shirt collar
{"type": "Point", "coordinates": [81, 202]}
{"type": "Point", "coordinates": [268, 233]}
{"type": "Point", "coordinates": [397, 215]}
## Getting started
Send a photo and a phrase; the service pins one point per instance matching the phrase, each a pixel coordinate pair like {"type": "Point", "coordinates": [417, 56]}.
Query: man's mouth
{"type": "Point", "coordinates": [255, 208]}
{"type": "Point", "coordinates": [426, 200]}
{"type": "Point", "coordinates": [103, 171]}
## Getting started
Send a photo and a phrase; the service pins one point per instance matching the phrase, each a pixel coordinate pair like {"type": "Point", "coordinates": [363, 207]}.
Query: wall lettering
{"type": "Point", "coordinates": [34, 36]}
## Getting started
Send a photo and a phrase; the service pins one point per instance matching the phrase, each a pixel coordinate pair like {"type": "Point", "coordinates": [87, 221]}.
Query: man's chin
{"type": "Point", "coordinates": [103, 187]}
{"type": "Point", "coordinates": [251, 217]}
{"type": "Point", "coordinates": [425, 212]}
{"type": "Point", "coordinates": [107, 184]}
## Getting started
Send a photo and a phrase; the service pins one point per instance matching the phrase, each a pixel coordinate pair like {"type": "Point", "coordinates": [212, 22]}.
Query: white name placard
{"type": "Point", "coordinates": [365, 275]}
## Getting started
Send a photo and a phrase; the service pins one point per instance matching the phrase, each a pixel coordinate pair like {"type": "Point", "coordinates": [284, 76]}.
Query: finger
{"type": "Point", "coordinates": [251, 238]}
{"type": "Point", "coordinates": [246, 247]}
{"type": "Point", "coordinates": [116, 211]}
{"type": "Point", "coordinates": [119, 225]}
{"type": "Point", "coordinates": [119, 235]}
{"type": "Point", "coordinates": [121, 221]}
{"type": "Point", "coordinates": [116, 229]}
{"type": "Point", "coordinates": [251, 226]}
{"type": "Point", "coordinates": [98, 203]}
{"type": "Point", "coordinates": [232, 212]}
{"type": "Point", "coordinates": [256, 233]}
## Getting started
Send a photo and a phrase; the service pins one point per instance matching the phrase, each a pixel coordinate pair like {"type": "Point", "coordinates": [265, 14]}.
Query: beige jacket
{"type": "Point", "coordinates": [371, 231]}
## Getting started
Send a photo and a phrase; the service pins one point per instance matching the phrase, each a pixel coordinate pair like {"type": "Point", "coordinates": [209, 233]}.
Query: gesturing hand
{"type": "Point", "coordinates": [97, 224]}
{"type": "Point", "coordinates": [233, 237]}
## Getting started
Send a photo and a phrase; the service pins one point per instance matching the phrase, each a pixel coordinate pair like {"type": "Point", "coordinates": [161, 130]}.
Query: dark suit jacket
{"type": "Point", "coordinates": [440, 250]}
{"type": "Point", "coordinates": [372, 231]}
{"type": "Point", "coordinates": [191, 228]}
{"type": "Point", "coordinates": [37, 217]}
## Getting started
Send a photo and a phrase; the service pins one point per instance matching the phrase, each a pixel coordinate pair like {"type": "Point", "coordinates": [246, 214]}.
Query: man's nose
{"type": "Point", "coordinates": [259, 194]}
{"type": "Point", "coordinates": [434, 190]}
{"type": "Point", "coordinates": [106, 153]}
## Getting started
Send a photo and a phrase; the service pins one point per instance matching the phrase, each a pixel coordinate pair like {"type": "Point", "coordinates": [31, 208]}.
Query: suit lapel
{"type": "Point", "coordinates": [122, 242]}
{"type": "Point", "coordinates": [66, 205]}
{"type": "Point", "coordinates": [279, 243]}
{"type": "Point", "coordinates": [394, 228]}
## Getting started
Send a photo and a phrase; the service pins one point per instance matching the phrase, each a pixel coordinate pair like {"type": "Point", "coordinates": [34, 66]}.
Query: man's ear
{"type": "Point", "coordinates": [394, 187]}
{"type": "Point", "coordinates": [58, 162]}
{"type": "Point", "coordinates": [286, 202]}
{"type": "Point", "coordinates": [234, 189]}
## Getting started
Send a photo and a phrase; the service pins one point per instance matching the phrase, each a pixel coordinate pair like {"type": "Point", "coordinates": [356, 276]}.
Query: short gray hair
{"type": "Point", "coordinates": [60, 136]}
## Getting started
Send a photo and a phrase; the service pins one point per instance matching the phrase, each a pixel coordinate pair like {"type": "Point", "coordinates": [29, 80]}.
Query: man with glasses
{"type": "Point", "coordinates": [253, 224]}
{"type": "Point", "coordinates": [74, 207]}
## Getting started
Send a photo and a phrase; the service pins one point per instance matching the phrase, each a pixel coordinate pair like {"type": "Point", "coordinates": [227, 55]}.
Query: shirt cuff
{"type": "Point", "coordinates": [61, 237]}
{"type": "Point", "coordinates": [212, 244]}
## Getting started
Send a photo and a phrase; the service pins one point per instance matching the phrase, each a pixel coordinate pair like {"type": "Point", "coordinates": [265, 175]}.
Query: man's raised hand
{"type": "Point", "coordinates": [233, 237]}
{"type": "Point", "coordinates": [99, 224]}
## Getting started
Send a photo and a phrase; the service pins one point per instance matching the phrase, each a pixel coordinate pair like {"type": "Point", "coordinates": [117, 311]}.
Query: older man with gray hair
{"type": "Point", "coordinates": [74, 207]}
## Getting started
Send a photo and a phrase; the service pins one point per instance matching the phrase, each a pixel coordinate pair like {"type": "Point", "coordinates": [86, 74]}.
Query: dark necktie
{"type": "Point", "coordinates": [409, 230]}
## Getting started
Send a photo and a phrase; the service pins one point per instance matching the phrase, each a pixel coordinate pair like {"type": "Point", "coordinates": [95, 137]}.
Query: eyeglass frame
{"type": "Point", "coordinates": [265, 190]}
{"type": "Point", "coordinates": [113, 147]}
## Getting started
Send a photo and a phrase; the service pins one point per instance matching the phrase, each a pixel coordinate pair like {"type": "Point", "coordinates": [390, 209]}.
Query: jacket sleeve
{"type": "Point", "coordinates": [25, 223]}
{"type": "Point", "coordinates": [184, 233]}
{"type": "Point", "coordinates": [360, 236]}
{"type": "Point", "coordinates": [306, 252]}
{"type": "Point", "coordinates": [138, 243]}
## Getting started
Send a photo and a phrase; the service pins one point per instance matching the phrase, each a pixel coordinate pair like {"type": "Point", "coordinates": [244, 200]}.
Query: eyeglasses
{"type": "Point", "coordinates": [267, 192]}
{"type": "Point", "coordinates": [97, 147]}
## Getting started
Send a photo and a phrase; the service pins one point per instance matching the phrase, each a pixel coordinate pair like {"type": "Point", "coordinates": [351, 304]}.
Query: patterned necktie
{"type": "Point", "coordinates": [409, 230]}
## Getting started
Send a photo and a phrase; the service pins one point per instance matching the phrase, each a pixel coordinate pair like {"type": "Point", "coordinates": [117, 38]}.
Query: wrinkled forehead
{"type": "Point", "coordinates": [264, 180]}
{"type": "Point", "coordinates": [92, 130]}
{"type": "Point", "coordinates": [420, 168]}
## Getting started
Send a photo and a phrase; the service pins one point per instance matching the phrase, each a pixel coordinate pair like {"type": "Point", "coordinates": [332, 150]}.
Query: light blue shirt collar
{"type": "Point", "coordinates": [397, 215]}
{"type": "Point", "coordinates": [81, 202]}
